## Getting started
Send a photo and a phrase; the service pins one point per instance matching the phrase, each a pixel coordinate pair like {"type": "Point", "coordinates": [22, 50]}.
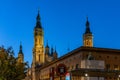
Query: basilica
{"type": "Point", "coordinates": [83, 63]}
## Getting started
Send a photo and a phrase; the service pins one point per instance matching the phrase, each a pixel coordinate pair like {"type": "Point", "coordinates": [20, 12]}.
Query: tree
{"type": "Point", "coordinates": [10, 69]}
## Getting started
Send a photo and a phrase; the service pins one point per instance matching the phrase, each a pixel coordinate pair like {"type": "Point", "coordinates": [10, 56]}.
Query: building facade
{"type": "Point", "coordinates": [85, 61]}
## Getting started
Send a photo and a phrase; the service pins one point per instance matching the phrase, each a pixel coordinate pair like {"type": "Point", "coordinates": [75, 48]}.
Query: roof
{"type": "Point", "coordinates": [80, 49]}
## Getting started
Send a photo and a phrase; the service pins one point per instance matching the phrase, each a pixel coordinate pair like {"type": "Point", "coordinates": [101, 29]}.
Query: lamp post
{"type": "Point", "coordinates": [119, 77]}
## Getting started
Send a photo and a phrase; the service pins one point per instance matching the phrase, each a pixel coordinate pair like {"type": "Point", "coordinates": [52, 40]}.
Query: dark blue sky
{"type": "Point", "coordinates": [63, 22]}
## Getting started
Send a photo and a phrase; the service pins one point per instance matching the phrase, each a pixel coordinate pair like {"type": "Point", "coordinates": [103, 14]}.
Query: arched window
{"type": "Point", "coordinates": [77, 66]}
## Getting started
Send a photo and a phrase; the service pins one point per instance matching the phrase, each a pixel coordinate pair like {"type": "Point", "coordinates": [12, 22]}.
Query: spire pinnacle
{"type": "Point", "coordinates": [55, 54]}
{"type": "Point", "coordinates": [52, 50]}
{"type": "Point", "coordinates": [38, 16]}
{"type": "Point", "coordinates": [38, 23]}
{"type": "Point", "coordinates": [87, 22]}
{"type": "Point", "coordinates": [47, 44]}
{"type": "Point", "coordinates": [20, 51]}
{"type": "Point", "coordinates": [87, 26]}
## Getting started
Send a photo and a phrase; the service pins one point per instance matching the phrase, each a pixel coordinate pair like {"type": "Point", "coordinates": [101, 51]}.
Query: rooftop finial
{"type": "Point", "coordinates": [20, 45]}
{"type": "Point", "coordinates": [20, 51]}
{"type": "Point", "coordinates": [52, 50]}
{"type": "Point", "coordinates": [38, 16]}
{"type": "Point", "coordinates": [38, 11]}
{"type": "Point", "coordinates": [47, 44]}
{"type": "Point", "coordinates": [87, 22]}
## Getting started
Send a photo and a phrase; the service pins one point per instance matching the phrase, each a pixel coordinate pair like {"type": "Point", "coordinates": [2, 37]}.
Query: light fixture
{"type": "Point", "coordinates": [86, 74]}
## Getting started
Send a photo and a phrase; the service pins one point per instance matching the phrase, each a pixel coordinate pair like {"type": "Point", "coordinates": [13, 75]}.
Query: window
{"type": "Point", "coordinates": [77, 66]}
{"type": "Point", "coordinates": [116, 67]}
{"type": "Point", "coordinates": [107, 66]}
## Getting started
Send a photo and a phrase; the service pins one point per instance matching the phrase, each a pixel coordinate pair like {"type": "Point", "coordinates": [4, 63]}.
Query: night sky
{"type": "Point", "coordinates": [63, 22]}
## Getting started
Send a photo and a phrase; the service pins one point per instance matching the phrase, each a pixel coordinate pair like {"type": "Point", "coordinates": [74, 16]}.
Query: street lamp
{"type": "Point", "coordinates": [119, 75]}
{"type": "Point", "coordinates": [86, 75]}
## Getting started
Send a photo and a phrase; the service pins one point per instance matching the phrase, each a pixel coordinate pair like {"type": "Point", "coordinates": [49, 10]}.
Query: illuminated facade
{"type": "Point", "coordinates": [38, 50]}
{"type": "Point", "coordinates": [87, 36]}
{"type": "Point", "coordinates": [81, 62]}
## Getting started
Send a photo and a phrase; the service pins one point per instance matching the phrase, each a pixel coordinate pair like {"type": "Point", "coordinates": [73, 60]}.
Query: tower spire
{"type": "Point", "coordinates": [52, 50]}
{"type": "Point", "coordinates": [20, 51]}
{"type": "Point", "coordinates": [38, 16]}
{"type": "Point", "coordinates": [38, 23]}
{"type": "Point", "coordinates": [47, 49]}
{"type": "Point", "coordinates": [87, 26]}
{"type": "Point", "coordinates": [87, 36]}
{"type": "Point", "coordinates": [55, 55]}
{"type": "Point", "coordinates": [20, 55]}
{"type": "Point", "coordinates": [38, 42]}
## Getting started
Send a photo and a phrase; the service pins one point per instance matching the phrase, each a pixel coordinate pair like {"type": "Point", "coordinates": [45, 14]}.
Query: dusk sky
{"type": "Point", "coordinates": [63, 22]}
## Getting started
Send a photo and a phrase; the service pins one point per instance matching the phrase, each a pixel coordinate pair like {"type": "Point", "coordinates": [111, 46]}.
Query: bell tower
{"type": "Point", "coordinates": [87, 36]}
{"type": "Point", "coordinates": [20, 55]}
{"type": "Point", "coordinates": [38, 50]}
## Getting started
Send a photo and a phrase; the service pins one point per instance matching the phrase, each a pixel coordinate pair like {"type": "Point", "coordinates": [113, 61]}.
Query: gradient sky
{"type": "Point", "coordinates": [63, 22]}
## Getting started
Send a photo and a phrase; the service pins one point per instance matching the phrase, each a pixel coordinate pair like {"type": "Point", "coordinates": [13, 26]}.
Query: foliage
{"type": "Point", "coordinates": [10, 69]}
